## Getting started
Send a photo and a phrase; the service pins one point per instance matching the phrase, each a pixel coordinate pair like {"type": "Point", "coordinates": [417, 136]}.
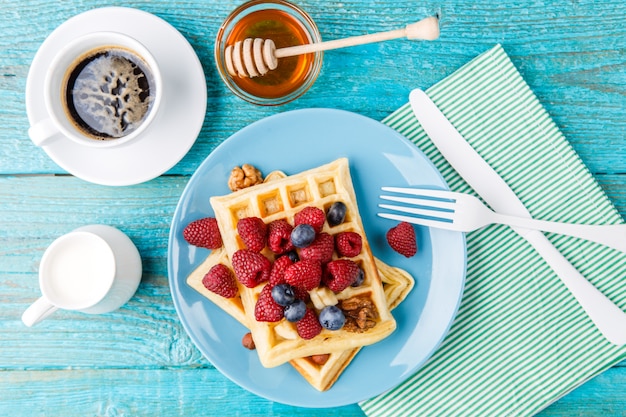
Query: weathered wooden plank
{"type": "Point", "coordinates": [572, 55]}
{"type": "Point", "coordinates": [144, 340]}
{"type": "Point", "coordinates": [145, 332]}
{"type": "Point", "coordinates": [205, 392]}
{"type": "Point", "coordinates": [36, 210]}
{"type": "Point", "coordinates": [139, 392]}
{"type": "Point", "coordinates": [603, 395]}
{"type": "Point", "coordinates": [615, 188]}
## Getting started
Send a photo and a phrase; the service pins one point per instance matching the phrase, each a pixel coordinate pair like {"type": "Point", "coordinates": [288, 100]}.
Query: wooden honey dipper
{"type": "Point", "coordinates": [255, 57]}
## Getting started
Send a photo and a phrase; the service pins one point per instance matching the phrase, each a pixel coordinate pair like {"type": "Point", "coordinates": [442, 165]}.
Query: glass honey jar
{"type": "Point", "coordinates": [285, 24]}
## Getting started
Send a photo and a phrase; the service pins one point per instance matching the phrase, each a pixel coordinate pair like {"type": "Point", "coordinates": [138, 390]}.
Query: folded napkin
{"type": "Point", "coordinates": [520, 340]}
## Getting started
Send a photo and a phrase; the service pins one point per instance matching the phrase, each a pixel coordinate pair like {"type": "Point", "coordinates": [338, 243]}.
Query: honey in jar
{"type": "Point", "coordinates": [285, 30]}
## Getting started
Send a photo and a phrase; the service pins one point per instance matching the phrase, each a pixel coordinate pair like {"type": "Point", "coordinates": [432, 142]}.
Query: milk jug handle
{"type": "Point", "coordinates": [38, 311]}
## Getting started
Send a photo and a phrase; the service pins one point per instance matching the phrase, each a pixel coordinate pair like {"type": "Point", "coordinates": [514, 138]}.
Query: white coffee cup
{"type": "Point", "coordinates": [94, 269]}
{"type": "Point", "coordinates": [68, 61]}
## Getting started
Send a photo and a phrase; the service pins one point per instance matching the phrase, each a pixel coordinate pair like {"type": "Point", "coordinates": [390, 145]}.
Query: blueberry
{"type": "Point", "coordinates": [283, 294]}
{"type": "Point", "coordinates": [332, 318]}
{"type": "Point", "coordinates": [293, 255]}
{"type": "Point", "coordinates": [336, 213]}
{"type": "Point", "coordinates": [302, 235]}
{"type": "Point", "coordinates": [295, 311]}
{"type": "Point", "coordinates": [359, 279]}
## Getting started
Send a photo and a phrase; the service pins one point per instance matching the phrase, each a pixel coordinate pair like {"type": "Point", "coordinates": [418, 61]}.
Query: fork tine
{"type": "Point", "coordinates": [425, 203]}
{"type": "Point", "coordinates": [423, 192]}
{"type": "Point", "coordinates": [415, 220]}
{"type": "Point", "coordinates": [432, 208]}
{"type": "Point", "coordinates": [439, 216]}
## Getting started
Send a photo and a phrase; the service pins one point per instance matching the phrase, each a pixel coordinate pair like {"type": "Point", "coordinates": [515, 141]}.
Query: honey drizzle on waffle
{"type": "Point", "coordinates": [283, 198]}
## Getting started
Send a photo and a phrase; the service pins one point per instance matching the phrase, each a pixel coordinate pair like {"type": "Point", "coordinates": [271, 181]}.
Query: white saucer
{"type": "Point", "coordinates": [183, 109]}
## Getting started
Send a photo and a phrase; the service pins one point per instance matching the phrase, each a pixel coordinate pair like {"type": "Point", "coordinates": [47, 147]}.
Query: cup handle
{"type": "Point", "coordinates": [38, 311]}
{"type": "Point", "coordinates": [43, 132]}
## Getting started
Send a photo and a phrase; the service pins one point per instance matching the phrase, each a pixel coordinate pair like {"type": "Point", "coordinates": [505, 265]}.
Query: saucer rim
{"type": "Point", "coordinates": [126, 172]}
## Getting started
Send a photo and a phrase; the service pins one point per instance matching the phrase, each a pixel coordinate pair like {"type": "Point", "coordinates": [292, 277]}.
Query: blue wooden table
{"type": "Point", "coordinates": [138, 360]}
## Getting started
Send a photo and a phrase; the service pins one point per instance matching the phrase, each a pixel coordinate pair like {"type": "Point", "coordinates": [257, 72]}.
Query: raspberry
{"type": "Point", "coordinates": [266, 309]}
{"type": "Point", "coordinates": [251, 268]}
{"type": "Point", "coordinates": [302, 294]}
{"type": "Point", "coordinates": [309, 326]}
{"type": "Point", "coordinates": [221, 281]}
{"type": "Point", "coordinates": [277, 277]}
{"type": "Point", "coordinates": [340, 274]}
{"type": "Point", "coordinates": [203, 233]}
{"type": "Point", "coordinates": [304, 274]}
{"type": "Point", "coordinates": [279, 233]}
{"type": "Point", "coordinates": [312, 216]}
{"type": "Point", "coordinates": [348, 244]}
{"type": "Point", "coordinates": [321, 249]}
{"type": "Point", "coordinates": [277, 274]}
{"type": "Point", "coordinates": [402, 239]}
{"type": "Point", "coordinates": [253, 232]}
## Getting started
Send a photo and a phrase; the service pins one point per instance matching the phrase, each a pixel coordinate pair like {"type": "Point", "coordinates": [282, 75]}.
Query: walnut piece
{"type": "Point", "coordinates": [247, 341]}
{"type": "Point", "coordinates": [361, 314]}
{"type": "Point", "coordinates": [320, 359]}
{"type": "Point", "coordinates": [244, 177]}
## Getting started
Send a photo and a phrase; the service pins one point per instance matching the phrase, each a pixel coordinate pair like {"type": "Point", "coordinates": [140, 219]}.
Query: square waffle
{"type": "Point", "coordinates": [397, 283]}
{"type": "Point", "coordinates": [277, 343]}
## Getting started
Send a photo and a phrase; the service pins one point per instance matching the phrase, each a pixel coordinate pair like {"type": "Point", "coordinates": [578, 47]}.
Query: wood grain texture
{"type": "Point", "coordinates": [158, 392]}
{"type": "Point", "coordinates": [571, 53]}
{"type": "Point", "coordinates": [139, 360]}
{"type": "Point", "coordinates": [108, 363]}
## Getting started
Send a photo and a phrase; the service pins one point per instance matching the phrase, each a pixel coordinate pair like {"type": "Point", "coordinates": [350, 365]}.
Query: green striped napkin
{"type": "Point", "coordinates": [520, 340]}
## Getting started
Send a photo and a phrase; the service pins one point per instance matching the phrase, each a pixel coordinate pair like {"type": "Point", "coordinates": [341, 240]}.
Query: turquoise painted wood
{"type": "Point", "coordinates": [138, 360]}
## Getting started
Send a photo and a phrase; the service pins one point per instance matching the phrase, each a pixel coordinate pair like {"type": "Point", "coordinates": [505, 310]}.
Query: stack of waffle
{"type": "Point", "coordinates": [383, 287]}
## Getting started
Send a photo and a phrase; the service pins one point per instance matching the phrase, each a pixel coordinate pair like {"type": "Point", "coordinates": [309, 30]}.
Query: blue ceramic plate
{"type": "Point", "coordinates": [292, 142]}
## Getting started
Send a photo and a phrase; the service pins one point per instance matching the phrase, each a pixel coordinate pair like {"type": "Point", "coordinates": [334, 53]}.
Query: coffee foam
{"type": "Point", "coordinates": [110, 93]}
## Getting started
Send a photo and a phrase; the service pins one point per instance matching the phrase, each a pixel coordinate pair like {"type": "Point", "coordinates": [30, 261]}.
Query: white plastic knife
{"type": "Point", "coordinates": [608, 317]}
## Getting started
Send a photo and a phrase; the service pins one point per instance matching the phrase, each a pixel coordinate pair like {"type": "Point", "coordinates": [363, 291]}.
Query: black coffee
{"type": "Point", "coordinates": [109, 93]}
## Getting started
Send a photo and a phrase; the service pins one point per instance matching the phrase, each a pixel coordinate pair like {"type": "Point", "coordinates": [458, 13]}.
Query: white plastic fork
{"type": "Point", "coordinates": [465, 213]}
